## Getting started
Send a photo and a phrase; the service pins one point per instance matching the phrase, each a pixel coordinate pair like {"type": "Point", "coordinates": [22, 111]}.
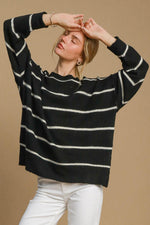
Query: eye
{"type": "Point", "coordinates": [66, 32]}
{"type": "Point", "coordinates": [73, 42]}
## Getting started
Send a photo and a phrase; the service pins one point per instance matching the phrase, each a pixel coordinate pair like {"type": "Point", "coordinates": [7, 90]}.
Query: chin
{"type": "Point", "coordinates": [57, 51]}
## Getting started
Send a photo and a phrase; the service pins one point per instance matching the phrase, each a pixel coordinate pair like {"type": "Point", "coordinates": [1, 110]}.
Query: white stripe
{"type": "Point", "coordinates": [64, 146]}
{"type": "Point", "coordinates": [82, 92]}
{"type": "Point", "coordinates": [24, 45]}
{"type": "Point", "coordinates": [30, 62]}
{"type": "Point", "coordinates": [30, 25]}
{"type": "Point", "coordinates": [36, 76]}
{"type": "Point", "coordinates": [13, 28]}
{"type": "Point", "coordinates": [102, 78]}
{"type": "Point", "coordinates": [96, 92]}
{"type": "Point", "coordinates": [91, 79]}
{"type": "Point", "coordinates": [19, 75]}
{"type": "Point", "coordinates": [65, 128]}
{"type": "Point", "coordinates": [81, 129]}
{"type": "Point", "coordinates": [29, 109]}
{"type": "Point", "coordinates": [10, 47]}
{"type": "Point", "coordinates": [36, 96]}
{"type": "Point", "coordinates": [14, 50]}
{"type": "Point", "coordinates": [27, 85]}
{"type": "Point", "coordinates": [85, 78]}
{"type": "Point", "coordinates": [136, 67]}
{"type": "Point", "coordinates": [63, 164]}
{"type": "Point", "coordinates": [122, 88]}
{"type": "Point", "coordinates": [96, 78]}
{"type": "Point", "coordinates": [64, 80]}
{"type": "Point", "coordinates": [43, 88]}
{"type": "Point", "coordinates": [125, 52]}
{"type": "Point", "coordinates": [79, 111]}
{"type": "Point", "coordinates": [131, 81]}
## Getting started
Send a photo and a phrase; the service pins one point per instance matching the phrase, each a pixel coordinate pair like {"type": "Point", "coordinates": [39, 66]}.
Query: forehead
{"type": "Point", "coordinates": [78, 34]}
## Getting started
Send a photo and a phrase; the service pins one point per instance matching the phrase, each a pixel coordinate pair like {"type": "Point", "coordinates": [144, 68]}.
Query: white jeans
{"type": "Point", "coordinates": [83, 202]}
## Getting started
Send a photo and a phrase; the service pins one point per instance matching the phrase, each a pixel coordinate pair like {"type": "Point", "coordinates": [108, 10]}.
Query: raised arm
{"type": "Point", "coordinates": [129, 78]}
{"type": "Point", "coordinates": [15, 31]}
{"type": "Point", "coordinates": [18, 28]}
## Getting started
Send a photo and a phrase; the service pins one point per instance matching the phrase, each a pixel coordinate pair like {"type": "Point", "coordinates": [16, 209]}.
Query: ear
{"type": "Point", "coordinates": [81, 60]}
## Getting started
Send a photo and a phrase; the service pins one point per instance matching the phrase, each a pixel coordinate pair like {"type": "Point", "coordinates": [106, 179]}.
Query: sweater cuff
{"type": "Point", "coordinates": [118, 47]}
{"type": "Point", "coordinates": [37, 21]}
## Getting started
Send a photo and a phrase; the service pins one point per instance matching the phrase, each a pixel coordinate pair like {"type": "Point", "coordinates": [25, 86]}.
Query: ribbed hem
{"type": "Point", "coordinates": [37, 21]}
{"type": "Point", "coordinates": [118, 47]}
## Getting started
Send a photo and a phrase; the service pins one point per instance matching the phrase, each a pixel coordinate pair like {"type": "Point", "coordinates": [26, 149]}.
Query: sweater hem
{"type": "Point", "coordinates": [44, 169]}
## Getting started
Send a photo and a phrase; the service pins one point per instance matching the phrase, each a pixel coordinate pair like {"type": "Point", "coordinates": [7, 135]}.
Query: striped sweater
{"type": "Point", "coordinates": [67, 124]}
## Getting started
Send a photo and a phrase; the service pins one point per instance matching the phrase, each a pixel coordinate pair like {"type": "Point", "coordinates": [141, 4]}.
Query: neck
{"type": "Point", "coordinates": [64, 69]}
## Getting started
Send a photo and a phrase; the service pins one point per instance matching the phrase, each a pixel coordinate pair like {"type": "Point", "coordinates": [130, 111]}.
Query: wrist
{"type": "Point", "coordinates": [107, 38]}
{"type": "Point", "coordinates": [46, 20]}
{"type": "Point", "coordinates": [50, 19]}
{"type": "Point", "coordinates": [54, 19]}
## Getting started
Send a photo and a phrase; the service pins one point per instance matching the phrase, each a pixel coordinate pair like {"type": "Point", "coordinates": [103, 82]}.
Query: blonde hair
{"type": "Point", "coordinates": [90, 49]}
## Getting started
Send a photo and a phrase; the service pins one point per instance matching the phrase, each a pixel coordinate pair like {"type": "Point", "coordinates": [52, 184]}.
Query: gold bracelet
{"type": "Point", "coordinates": [53, 25]}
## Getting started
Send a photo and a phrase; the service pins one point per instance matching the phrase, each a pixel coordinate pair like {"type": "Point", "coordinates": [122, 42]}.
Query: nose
{"type": "Point", "coordinates": [64, 38]}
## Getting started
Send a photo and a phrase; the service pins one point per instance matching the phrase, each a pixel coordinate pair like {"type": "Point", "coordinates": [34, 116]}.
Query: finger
{"type": "Point", "coordinates": [78, 19]}
{"type": "Point", "coordinates": [85, 24]}
{"type": "Point", "coordinates": [92, 21]}
{"type": "Point", "coordinates": [88, 25]}
{"type": "Point", "coordinates": [78, 15]}
{"type": "Point", "coordinates": [74, 29]}
{"type": "Point", "coordinates": [84, 29]}
{"type": "Point", "coordinates": [80, 22]}
{"type": "Point", "coordinates": [75, 26]}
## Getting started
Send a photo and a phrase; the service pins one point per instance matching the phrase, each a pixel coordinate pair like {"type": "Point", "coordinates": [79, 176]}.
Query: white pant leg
{"type": "Point", "coordinates": [85, 205]}
{"type": "Point", "coordinates": [47, 206]}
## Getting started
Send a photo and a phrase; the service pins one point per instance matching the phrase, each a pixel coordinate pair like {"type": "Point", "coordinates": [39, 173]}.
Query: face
{"type": "Point", "coordinates": [73, 42]}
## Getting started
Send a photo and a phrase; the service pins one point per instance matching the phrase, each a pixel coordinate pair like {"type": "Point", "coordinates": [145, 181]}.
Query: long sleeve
{"type": "Point", "coordinates": [128, 79]}
{"type": "Point", "coordinates": [15, 31]}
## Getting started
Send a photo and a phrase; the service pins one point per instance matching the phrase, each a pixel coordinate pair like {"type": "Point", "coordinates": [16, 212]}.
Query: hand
{"type": "Point", "coordinates": [91, 29]}
{"type": "Point", "coordinates": [71, 22]}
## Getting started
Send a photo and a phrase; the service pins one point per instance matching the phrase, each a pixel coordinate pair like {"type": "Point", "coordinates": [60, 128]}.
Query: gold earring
{"type": "Point", "coordinates": [78, 63]}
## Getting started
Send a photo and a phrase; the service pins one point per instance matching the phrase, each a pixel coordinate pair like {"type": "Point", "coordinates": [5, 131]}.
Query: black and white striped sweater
{"type": "Point", "coordinates": [67, 125]}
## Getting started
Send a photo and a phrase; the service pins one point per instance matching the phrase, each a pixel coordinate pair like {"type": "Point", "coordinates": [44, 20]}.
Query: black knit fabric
{"type": "Point", "coordinates": [67, 124]}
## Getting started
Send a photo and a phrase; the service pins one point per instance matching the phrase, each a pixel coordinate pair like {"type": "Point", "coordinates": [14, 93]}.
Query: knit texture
{"type": "Point", "coordinates": [67, 125]}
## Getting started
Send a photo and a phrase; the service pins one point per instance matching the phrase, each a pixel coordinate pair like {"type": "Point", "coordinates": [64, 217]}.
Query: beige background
{"type": "Point", "coordinates": [127, 198]}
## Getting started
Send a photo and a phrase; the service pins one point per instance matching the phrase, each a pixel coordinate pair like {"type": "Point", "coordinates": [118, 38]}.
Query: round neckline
{"type": "Point", "coordinates": [68, 76]}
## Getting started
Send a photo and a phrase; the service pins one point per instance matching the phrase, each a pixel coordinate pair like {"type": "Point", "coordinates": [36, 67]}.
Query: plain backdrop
{"type": "Point", "coordinates": [126, 199]}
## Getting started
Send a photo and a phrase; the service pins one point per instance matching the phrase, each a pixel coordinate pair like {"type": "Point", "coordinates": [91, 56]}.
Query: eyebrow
{"type": "Point", "coordinates": [75, 36]}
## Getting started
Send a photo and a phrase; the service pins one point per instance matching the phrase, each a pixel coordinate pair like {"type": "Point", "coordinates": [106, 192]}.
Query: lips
{"type": "Point", "coordinates": [61, 45]}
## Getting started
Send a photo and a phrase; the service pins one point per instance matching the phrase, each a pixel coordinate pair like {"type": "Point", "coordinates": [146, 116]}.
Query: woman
{"type": "Point", "coordinates": [68, 119]}
{"type": "Point", "coordinates": [71, 54]}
